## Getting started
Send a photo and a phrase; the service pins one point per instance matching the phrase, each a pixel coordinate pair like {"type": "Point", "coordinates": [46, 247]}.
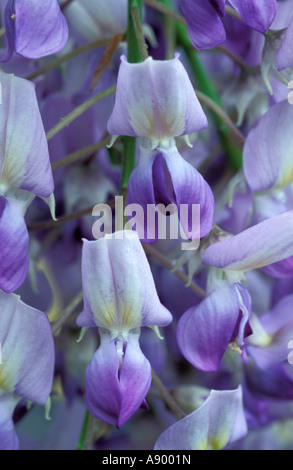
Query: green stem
{"type": "Point", "coordinates": [129, 152]}
{"type": "Point", "coordinates": [233, 152]}
{"type": "Point", "coordinates": [205, 84]}
{"type": "Point", "coordinates": [83, 434]}
{"type": "Point", "coordinates": [134, 56]}
{"type": "Point", "coordinates": [136, 19]}
{"type": "Point", "coordinates": [88, 443]}
{"type": "Point", "coordinates": [133, 51]}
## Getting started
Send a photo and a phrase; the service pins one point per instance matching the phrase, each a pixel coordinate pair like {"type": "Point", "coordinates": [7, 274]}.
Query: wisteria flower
{"type": "Point", "coordinates": [221, 320]}
{"type": "Point", "coordinates": [156, 102]}
{"type": "Point", "coordinates": [25, 171]}
{"type": "Point", "coordinates": [27, 364]}
{"type": "Point", "coordinates": [204, 18]}
{"type": "Point", "coordinates": [34, 29]}
{"type": "Point", "coordinates": [119, 298]}
{"type": "Point", "coordinates": [218, 323]}
{"type": "Point", "coordinates": [267, 160]}
{"type": "Point", "coordinates": [215, 424]}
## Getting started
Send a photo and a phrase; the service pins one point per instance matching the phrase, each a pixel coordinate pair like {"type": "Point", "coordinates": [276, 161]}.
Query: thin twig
{"type": "Point", "coordinates": [237, 59]}
{"type": "Point", "coordinates": [221, 113]}
{"type": "Point", "coordinates": [79, 111]}
{"type": "Point", "coordinates": [106, 59]}
{"type": "Point", "coordinates": [49, 224]}
{"type": "Point", "coordinates": [135, 13]}
{"type": "Point", "coordinates": [61, 60]}
{"type": "Point", "coordinates": [165, 10]}
{"type": "Point", "coordinates": [168, 264]}
{"type": "Point", "coordinates": [84, 152]}
{"type": "Point", "coordinates": [167, 397]}
{"type": "Point", "coordinates": [66, 314]}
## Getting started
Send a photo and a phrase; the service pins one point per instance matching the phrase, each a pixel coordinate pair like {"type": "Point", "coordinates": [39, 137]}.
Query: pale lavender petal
{"type": "Point", "coordinates": [40, 28]}
{"type": "Point", "coordinates": [164, 177]}
{"type": "Point", "coordinates": [113, 392]}
{"type": "Point", "coordinates": [135, 380]}
{"type": "Point", "coordinates": [258, 14]}
{"type": "Point", "coordinates": [277, 328]}
{"type": "Point", "coordinates": [119, 290]}
{"type": "Point", "coordinates": [97, 19]}
{"type": "Point", "coordinates": [280, 270]}
{"type": "Point", "coordinates": [103, 393]}
{"type": "Point", "coordinates": [284, 56]}
{"type": "Point", "coordinates": [275, 382]}
{"type": "Point", "coordinates": [27, 350]}
{"type": "Point", "coordinates": [141, 191]}
{"type": "Point", "coordinates": [14, 241]}
{"type": "Point", "coordinates": [205, 331]}
{"type": "Point", "coordinates": [205, 27]}
{"type": "Point", "coordinates": [227, 418]}
{"type": "Point", "coordinates": [260, 245]}
{"type": "Point", "coordinates": [189, 188]}
{"type": "Point", "coordinates": [156, 100]}
{"type": "Point", "coordinates": [267, 159]}
{"type": "Point", "coordinates": [217, 423]}
{"type": "Point", "coordinates": [24, 156]}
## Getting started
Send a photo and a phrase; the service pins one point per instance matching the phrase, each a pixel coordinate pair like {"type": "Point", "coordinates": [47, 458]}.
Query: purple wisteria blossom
{"type": "Point", "coordinates": [156, 102]}
{"type": "Point", "coordinates": [25, 171]}
{"type": "Point", "coordinates": [221, 320]}
{"type": "Point", "coordinates": [218, 323]}
{"type": "Point", "coordinates": [272, 333]}
{"type": "Point", "coordinates": [204, 18]}
{"type": "Point", "coordinates": [159, 134]}
{"type": "Point", "coordinates": [261, 245]}
{"type": "Point", "coordinates": [34, 29]}
{"type": "Point", "coordinates": [262, 169]}
{"type": "Point", "coordinates": [284, 23]}
{"type": "Point", "coordinates": [215, 424]}
{"type": "Point", "coordinates": [27, 364]}
{"type": "Point", "coordinates": [119, 298]}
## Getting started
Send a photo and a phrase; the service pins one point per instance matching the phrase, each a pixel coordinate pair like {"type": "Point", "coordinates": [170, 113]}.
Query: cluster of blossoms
{"type": "Point", "coordinates": [171, 105]}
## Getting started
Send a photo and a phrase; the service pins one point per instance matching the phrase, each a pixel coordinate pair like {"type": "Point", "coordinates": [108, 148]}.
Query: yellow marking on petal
{"type": "Point", "coordinates": [286, 177]}
{"type": "Point", "coordinates": [233, 346]}
{"type": "Point", "coordinates": [218, 442]}
{"type": "Point", "coordinates": [13, 17]}
{"type": "Point", "coordinates": [7, 379]}
{"type": "Point", "coordinates": [260, 337]}
{"type": "Point", "coordinates": [202, 446]}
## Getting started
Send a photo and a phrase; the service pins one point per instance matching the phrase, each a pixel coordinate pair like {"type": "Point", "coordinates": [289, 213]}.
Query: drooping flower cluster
{"type": "Point", "coordinates": [193, 133]}
{"type": "Point", "coordinates": [120, 297]}
{"type": "Point", "coordinates": [156, 102]}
